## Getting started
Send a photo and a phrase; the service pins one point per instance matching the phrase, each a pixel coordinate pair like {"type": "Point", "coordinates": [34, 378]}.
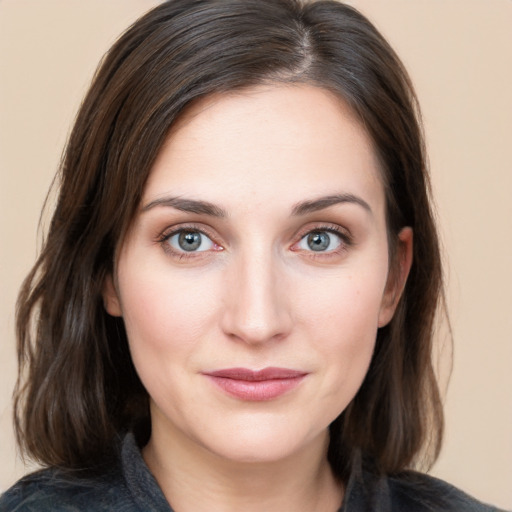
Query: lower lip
{"type": "Point", "coordinates": [256, 391]}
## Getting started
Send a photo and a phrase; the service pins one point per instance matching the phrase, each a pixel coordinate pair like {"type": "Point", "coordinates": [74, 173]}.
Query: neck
{"type": "Point", "coordinates": [193, 478]}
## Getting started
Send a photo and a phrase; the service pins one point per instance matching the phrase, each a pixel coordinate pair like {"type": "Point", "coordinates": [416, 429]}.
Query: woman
{"type": "Point", "coordinates": [234, 306]}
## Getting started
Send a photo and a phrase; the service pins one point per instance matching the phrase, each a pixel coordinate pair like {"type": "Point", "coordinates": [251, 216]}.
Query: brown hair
{"type": "Point", "coordinates": [77, 388]}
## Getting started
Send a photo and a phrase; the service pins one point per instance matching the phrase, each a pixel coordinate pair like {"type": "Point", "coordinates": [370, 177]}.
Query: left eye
{"type": "Point", "coordinates": [190, 241]}
{"type": "Point", "coordinates": [320, 241]}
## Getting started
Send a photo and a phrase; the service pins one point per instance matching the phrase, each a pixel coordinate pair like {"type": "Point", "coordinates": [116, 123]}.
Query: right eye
{"type": "Point", "coordinates": [187, 241]}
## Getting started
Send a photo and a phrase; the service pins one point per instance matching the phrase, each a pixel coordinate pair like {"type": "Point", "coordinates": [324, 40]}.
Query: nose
{"type": "Point", "coordinates": [256, 300]}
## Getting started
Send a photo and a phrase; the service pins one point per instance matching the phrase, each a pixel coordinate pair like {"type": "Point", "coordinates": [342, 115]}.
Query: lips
{"type": "Point", "coordinates": [261, 385]}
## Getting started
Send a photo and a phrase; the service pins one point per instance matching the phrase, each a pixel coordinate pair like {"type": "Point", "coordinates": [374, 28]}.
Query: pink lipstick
{"type": "Point", "coordinates": [255, 386]}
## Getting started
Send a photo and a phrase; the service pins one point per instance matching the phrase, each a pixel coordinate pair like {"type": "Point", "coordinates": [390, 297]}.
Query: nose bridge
{"type": "Point", "coordinates": [256, 307]}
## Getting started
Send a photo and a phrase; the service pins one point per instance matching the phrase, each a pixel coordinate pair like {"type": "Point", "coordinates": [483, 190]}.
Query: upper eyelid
{"type": "Point", "coordinates": [173, 230]}
{"type": "Point", "coordinates": [324, 226]}
{"type": "Point", "coordinates": [340, 234]}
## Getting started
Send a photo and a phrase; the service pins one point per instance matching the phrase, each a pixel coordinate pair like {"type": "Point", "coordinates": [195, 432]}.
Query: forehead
{"type": "Point", "coordinates": [273, 142]}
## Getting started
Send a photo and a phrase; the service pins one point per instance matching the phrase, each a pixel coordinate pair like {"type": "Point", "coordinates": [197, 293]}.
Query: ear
{"type": "Point", "coordinates": [397, 276]}
{"type": "Point", "coordinates": [111, 297]}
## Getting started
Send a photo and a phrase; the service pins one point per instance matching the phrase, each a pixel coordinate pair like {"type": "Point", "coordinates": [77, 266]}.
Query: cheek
{"type": "Point", "coordinates": [343, 305]}
{"type": "Point", "coordinates": [165, 314]}
{"type": "Point", "coordinates": [342, 322]}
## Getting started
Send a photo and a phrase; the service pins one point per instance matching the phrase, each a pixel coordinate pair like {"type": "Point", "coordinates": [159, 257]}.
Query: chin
{"type": "Point", "coordinates": [262, 440]}
{"type": "Point", "coordinates": [265, 452]}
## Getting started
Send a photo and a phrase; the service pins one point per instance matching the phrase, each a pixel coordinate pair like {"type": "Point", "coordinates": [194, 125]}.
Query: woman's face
{"type": "Point", "coordinates": [255, 275]}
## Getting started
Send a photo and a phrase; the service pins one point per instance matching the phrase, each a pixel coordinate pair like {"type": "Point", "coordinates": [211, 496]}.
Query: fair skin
{"type": "Point", "coordinates": [260, 243]}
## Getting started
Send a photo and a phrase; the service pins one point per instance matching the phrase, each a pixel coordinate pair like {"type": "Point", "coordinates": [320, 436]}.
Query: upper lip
{"type": "Point", "coordinates": [270, 373]}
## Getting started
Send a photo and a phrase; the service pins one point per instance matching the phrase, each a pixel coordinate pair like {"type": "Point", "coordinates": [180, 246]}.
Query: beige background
{"type": "Point", "coordinates": [459, 53]}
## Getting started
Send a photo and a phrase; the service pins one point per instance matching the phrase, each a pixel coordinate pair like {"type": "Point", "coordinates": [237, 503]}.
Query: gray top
{"type": "Point", "coordinates": [128, 486]}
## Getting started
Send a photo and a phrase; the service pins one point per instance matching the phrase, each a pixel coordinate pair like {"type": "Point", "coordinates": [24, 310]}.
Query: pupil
{"type": "Point", "coordinates": [189, 241]}
{"type": "Point", "coordinates": [318, 241]}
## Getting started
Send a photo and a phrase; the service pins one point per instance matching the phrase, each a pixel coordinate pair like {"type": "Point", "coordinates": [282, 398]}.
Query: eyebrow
{"type": "Point", "coordinates": [302, 208]}
{"type": "Point", "coordinates": [321, 203]}
{"type": "Point", "coordinates": [187, 205]}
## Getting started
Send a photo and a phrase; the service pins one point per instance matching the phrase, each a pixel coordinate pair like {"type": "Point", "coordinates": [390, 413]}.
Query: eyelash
{"type": "Point", "coordinates": [346, 241]}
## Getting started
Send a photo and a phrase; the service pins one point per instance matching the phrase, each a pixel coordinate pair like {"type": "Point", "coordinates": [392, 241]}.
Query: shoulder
{"type": "Point", "coordinates": [407, 491]}
{"type": "Point", "coordinates": [411, 490]}
{"type": "Point", "coordinates": [55, 490]}
{"type": "Point", "coordinates": [124, 483]}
